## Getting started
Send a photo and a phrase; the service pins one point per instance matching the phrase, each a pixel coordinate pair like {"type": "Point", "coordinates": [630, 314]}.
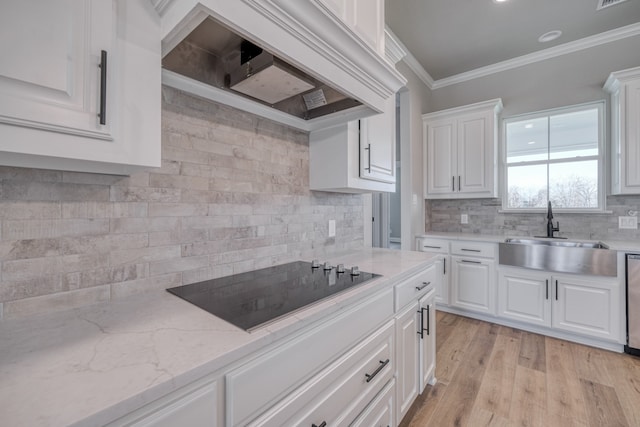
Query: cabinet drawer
{"type": "Point", "coordinates": [381, 411]}
{"type": "Point", "coordinates": [474, 249]}
{"type": "Point", "coordinates": [257, 385]}
{"type": "Point", "coordinates": [339, 393]}
{"type": "Point", "coordinates": [428, 244]}
{"type": "Point", "coordinates": [415, 287]}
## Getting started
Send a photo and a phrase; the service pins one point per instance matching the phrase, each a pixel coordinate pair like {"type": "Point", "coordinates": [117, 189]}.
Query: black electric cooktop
{"type": "Point", "coordinates": [251, 299]}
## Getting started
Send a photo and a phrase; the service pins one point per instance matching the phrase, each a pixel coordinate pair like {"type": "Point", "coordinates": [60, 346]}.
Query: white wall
{"type": "Point", "coordinates": [415, 99]}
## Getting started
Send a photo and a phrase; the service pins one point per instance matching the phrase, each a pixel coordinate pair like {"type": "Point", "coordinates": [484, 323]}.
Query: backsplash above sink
{"type": "Point", "coordinates": [485, 218]}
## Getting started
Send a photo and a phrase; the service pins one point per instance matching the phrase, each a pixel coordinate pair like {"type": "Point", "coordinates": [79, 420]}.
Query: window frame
{"type": "Point", "coordinates": [601, 157]}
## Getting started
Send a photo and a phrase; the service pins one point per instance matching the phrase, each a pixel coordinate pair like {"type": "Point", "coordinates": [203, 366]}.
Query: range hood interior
{"type": "Point", "coordinates": [215, 55]}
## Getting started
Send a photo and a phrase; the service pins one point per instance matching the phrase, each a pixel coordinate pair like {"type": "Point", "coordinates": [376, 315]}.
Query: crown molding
{"type": "Point", "coordinates": [393, 48]}
{"type": "Point", "coordinates": [552, 52]}
{"type": "Point", "coordinates": [411, 61]}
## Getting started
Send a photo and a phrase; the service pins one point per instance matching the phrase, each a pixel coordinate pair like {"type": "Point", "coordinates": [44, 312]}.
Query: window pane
{"type": "Point", "coordinates": [574, 184]}
{"type": "Point", "coordinates": [574, 134]}
{"type": "Point", "coordinates": [527, 186]}
{"type": "Point", "coordinates": [527, 140]}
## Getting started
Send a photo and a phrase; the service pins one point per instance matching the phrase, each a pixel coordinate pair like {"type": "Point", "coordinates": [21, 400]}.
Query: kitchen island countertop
{"type": "Point", "coordinates": [95, 364]}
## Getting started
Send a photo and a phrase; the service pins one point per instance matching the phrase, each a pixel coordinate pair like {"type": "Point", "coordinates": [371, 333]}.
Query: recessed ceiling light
{"type": "Point", "coordinates": [531, 142]}
{"type": "Point", "coordinates": [499, 1]}
{"type": "Point", "coordinates": [549, 36]}
{"type": "Point", "coordinates": [528, 126]}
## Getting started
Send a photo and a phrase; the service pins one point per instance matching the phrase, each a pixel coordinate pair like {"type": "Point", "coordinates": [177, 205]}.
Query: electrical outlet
{"type": "Point", "coordinates": [628, 222]}
{"type": "Point", "coordinates": [332, 228]}
{"type": "Point", "coordinates": [464, 219]}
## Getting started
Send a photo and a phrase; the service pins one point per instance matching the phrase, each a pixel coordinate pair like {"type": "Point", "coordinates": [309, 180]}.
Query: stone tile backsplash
{"type": "Point", "coordinates": [485, 218]}
{"type": "Point", "coordinates": [232, 195]}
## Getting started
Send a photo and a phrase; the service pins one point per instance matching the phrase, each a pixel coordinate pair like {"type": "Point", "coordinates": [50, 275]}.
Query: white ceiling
{"type": "Point", "coordinates": [450, 37]}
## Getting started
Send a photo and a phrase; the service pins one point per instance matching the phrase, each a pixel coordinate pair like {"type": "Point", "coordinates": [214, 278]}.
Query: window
{"type": "Point", "coordinates": [555, 156]}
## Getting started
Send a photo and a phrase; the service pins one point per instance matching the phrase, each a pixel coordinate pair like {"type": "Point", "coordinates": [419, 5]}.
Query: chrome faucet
{"type": "Point", "coordinates": [550, 228]}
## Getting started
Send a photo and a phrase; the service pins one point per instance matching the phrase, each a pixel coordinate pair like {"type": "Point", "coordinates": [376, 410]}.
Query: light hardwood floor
{"type": "Point", "coordinates": [491, 375]}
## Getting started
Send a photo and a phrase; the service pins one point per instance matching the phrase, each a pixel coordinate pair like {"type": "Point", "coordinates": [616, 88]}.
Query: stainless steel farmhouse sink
{"type": "Point", "coordinates": [559, 256]}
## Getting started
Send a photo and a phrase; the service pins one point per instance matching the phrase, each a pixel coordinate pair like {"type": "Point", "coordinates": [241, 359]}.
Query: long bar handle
{"type": "Point", "coordinates": [556, 290]}
{"type": "Point", "coordinates": [103, 88]}
{"type": "Point", "coordinates": [458, 182]}
{"type": "Point", "coordinates": [377, 371]}
{"type": "Point", "coordinates": [444, 266]}
{"type": "Point", "coordinates": [428, 319]}
{"type": "Point", "coordinates": [432, 247]}
{"type": "Point", "coordinates": [421, 330]}
{"type": "Point", "coordinates": [369, 149]}
{"type": "Point", "coordinates": [471, 262]}
{"type": "Point", "coordinates": [547, 297]}
{"type": "Point", "coordinates": [470, 250]}
{"type": "Point", "coordinates": [453, 183]}
{"type": "Point", "coordinates": [424, 285]}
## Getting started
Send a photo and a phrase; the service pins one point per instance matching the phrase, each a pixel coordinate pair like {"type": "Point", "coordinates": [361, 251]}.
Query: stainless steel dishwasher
{"type": "Point", "coordinates": [633, 305]}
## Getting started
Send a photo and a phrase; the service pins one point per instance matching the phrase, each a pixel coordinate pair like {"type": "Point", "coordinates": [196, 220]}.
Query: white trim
{"type": "Point", "coordinates": [394, 50]}
{"type": "Point", "coordinates": [601, 158]}
{"type": "Point", "coordinates": [212, 93]}
{"type": "Point", "coordinates": [412, 62]}
{"type": "Point", "coordinates": [552, 52]}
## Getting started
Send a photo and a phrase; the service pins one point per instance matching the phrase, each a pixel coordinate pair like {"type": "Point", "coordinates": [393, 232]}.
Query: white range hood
{"type": "Point", "coordinates": [311, 50]}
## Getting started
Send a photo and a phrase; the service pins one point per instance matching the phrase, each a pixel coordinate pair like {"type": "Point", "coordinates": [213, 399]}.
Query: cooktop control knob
{"type": "Point", "coordinates": [315, 263]}
{"type": "Point", "coordinates": [340, 268]}
{"type": "Point", "coordinates": [355, 271]}
{"type": "Point", "coordinates": [327, 266]}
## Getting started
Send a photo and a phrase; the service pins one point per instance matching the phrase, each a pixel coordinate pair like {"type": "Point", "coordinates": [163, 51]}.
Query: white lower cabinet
{"type": "Point", "coordinates": [427, 358]}
{"type": "Point", "coordinates": [473, 284]}
{"type": "Point", "coordinates": [587, 306]}
{"type": "Point", "coordinates": [341, 392]}
{"type": "Point", "coordinates": [524, 296]}
{"type": "Point", "coordinates": [441, 247]}
{"type": "Point", "coordinates": [407, 357]}
{"type": "Point", "coordinates": [196, 405]}
{"type": "Point", "coordinates": [415, 336]}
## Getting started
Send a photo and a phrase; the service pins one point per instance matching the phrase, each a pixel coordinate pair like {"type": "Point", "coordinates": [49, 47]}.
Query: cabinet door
{"type": "Point", "coordinates": [586, 306]}
{"type": "Point", "coordinates": [443, 285]}
{"type": "Point", "coordinates": [427, 355]}
{"type": "Point", "coordinates": [378, 145]}
{"type": "Point", "coordinates": [630, 123]}
{"type": "Point", "coordinates": [366, 17]}
{"type": "Point", "coordinates": [407, 356]}
{"type": "Point", "coordinates": [525, 296]}
{"type": "Point", "coordinates": [472, 284]}
{"type": "Point", "coordinates": [440, 156]}
{"type": "Point", "coordinates": [49, 73]}
{"type": "Point", "coordinates": [475, 161]}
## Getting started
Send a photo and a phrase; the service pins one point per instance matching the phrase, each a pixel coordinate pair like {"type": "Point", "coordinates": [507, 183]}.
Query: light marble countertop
{"type": "Point", "coordinates": [93, 365]}
{"type": "Point", "coordinates": [617, 245]}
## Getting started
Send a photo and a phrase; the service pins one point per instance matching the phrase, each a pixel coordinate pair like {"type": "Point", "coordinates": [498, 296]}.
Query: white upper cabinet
{"type": "Point", "coordinates": [378, 145]}
{"type": "Point", "coordinates": [50, 75]}
{"type": "Point", "coordinates": [356, 157]}
{"type": "Point", "coordinates": [624, 87]}
{"type": "Point", "coordinates": [80, 85]}
{"type": "Point", "coordinates": [461, 151]}
{"type": "Point", "coordinates": [364, 17]}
